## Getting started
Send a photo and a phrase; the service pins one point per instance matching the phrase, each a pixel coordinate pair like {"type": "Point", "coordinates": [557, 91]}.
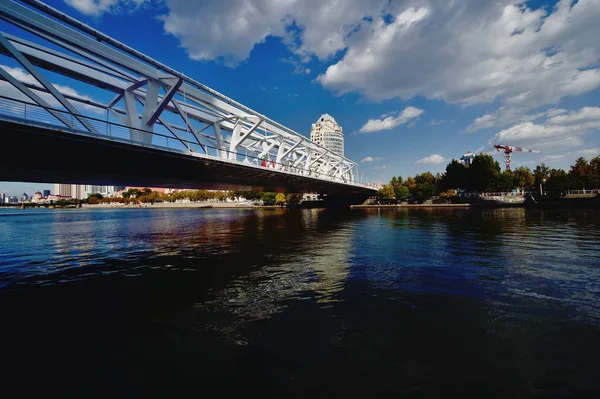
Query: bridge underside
{"type": "Point", "coordinates": [55, 156]}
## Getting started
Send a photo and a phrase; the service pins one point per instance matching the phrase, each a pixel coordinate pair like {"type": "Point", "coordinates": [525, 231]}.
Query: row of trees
{"type": "Point", "coordinates": [485, 175]}
{"type": "Point", "coordinates": [148, 196]}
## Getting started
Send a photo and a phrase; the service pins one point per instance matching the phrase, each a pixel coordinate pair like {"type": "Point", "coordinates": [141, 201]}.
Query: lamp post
{"type": "Point", "coordinates": [543, 181]}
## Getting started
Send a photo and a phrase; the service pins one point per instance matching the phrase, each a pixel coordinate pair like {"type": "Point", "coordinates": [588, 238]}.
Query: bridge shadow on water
{"type": "Point", "coordinates": [298, 304]}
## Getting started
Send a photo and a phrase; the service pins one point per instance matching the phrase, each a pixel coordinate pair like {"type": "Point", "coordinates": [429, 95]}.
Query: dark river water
{"type": "Point", "coordinates": [206, 303]}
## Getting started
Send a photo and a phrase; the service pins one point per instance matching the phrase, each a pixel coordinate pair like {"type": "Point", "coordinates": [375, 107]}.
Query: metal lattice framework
{"type": "Point", "coordinates": [149, 95]}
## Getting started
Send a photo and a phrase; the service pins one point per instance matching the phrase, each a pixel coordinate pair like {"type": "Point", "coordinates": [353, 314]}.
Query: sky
{"type": "Point", "coordinates": [413, 84]}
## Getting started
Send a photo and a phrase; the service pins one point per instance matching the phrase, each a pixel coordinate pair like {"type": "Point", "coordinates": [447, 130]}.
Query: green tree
{"type": "Point", "coordinates": [98, 196]}
{"type": "Point", "coordinates": [540, 173]}
{"type": "Point", "coordinates": [595, 170]}
{"type": "Point", "coordinates": [558, 180]}
{"type": "Point", "coordinates": [402, 193]}
{"type": "Point", "coordinates": [293, 199]}
{"type": "Point", "coordinates": [146, 191]}
{"type": "Point", "coordinates": [483, 173]}
{"type": "Point", "coordinates": [504, 181]}
{"type": "Point", "coordinates": [426, 177]}
{"type": "Point", "coordinates": [385, 194]}
{"type": "Point", "coordinates": [523, 178]}
{"type": "Point", "coordinates": [581, 174]}
{"type": "Point", "coordinates": [268, 198]}
{"type": "Point", "coordinates": [455, 177]}
{"type": "Point", "coordinates": [424, 191]}
{"type": "Point", "coordinates": [396, 183]}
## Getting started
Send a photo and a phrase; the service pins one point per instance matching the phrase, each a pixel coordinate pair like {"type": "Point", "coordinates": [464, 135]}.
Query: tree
{"type": "Point", "coordinates": [424, 191]}
{"type": "Point", "coordinates": [540, 173]}
{"type": "Point", "coordinates": [595, 170]}
{"type": "Point", "coordinates": [455, 177]}
{"type": "Point", "coordinates": [523, 178]}
{"type": "Point", "coordinates": [425, 177]}
{"type": "Point", "coordinates": [448, 196]}
{"type": "Point", "coordinates": [293, 199]}
{"type": "Point", "coordinates": [558, 180]}
{"type": "Point", "coordinates": [96, 195]}
{"type": "Point", "coordinates": [410, 184]}
{"type": "Point", "coordinates": [483, 173]}
{"type": "Point", "coordinates": [280, 199]}
{"type": "Point", "coordinates": [402, 193]}
{"type": "Point", "coordinates": [268, 198]}
{"type": "Point", "coordinates": [386, 193]}
{"type": "Point", "coordinates": [504, 181]}
{"type": "Point", "coordinates": [146, 191]}
{"type": "Point", "coordinates": [131, 193]}
{"type": "Point", "coordinates": [581, 173]}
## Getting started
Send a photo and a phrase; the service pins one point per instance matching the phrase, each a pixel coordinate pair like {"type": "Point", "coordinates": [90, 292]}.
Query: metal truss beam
{"type": "Point", "coordinates": [145, 93]}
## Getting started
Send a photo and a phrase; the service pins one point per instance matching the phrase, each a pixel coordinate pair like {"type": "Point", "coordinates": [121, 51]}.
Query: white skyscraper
{"type": "Point", "coordinates": [76, 191]}
{"type": "Point", "coordinates": [327, 133]}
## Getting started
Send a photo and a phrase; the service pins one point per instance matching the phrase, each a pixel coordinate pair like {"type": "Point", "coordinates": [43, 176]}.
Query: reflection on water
{"type": "Point", "coordinates": [304, 303]}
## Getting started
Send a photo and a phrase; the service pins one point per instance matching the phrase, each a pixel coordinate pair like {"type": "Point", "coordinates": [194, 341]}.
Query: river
{"type": "Point", "coordinates": [300, 303]}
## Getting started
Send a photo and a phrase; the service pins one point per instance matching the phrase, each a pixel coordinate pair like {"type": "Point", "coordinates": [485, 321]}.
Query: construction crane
{"type": "Point", "coordinates": [509, 150]}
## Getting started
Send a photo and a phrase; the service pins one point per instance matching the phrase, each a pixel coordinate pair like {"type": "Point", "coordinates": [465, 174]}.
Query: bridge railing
{"type": "Point", "coordinates": [30, 113]}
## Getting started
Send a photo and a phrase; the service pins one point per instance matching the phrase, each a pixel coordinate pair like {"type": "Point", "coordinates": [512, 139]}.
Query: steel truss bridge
{"type": "Point", "coordinates": [138, 121]}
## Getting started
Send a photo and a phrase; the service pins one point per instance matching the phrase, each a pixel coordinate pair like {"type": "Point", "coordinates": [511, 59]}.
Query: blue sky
{"type": "Point", "coordinates": [413, 83]}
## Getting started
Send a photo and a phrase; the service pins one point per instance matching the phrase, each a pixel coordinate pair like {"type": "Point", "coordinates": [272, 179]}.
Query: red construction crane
{"type": "Point", "coordinates": [509, 150]}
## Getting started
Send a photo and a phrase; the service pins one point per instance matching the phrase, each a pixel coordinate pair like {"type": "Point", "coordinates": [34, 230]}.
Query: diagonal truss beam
{"type": "Point", "coordinates": [44, 82]}
{"type": "Point", "coordinates": [37, 99]}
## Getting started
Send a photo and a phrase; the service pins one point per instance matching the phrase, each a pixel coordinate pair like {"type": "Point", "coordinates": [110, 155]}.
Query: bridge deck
{"type": "Point", "coordinates": [55, 155]}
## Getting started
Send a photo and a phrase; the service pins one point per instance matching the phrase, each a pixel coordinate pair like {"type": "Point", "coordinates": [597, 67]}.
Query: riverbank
{"type": "Point", "coordinates": [412, 206]}
{"type": "Point", "coordinates": [224, 205]}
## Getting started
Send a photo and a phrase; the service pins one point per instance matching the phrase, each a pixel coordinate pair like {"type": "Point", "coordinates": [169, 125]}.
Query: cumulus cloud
{"type": "Point", "coordinates": [370, 159]}
{"type": "Point", "coordinates": [506, 52]}
{"type": "Point", "coordinates": [472, 51]}
{"type": "Point", "coordinates": [229, 30]}
{"type": "Point", "coordinates": [98, 7]}
{"type": "Point", "coordinates": [389, 122]}
{"type": "Point", "coordinates": [433, 159]}
{"type": "Point", "coordinates": [560, 131]}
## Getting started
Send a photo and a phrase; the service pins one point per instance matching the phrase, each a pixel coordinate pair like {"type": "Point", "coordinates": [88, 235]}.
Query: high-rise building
{"type": "Point", "coordinates": [46, 193]}
{"type": "Point", "coordinates": [62, 190]}
{"type": "Point", "coordinates": [327, 133]}
{"type": "Point", "coordinates": [467, 158]}
{"type": "Point", "coordinates": [76, 191]}
{"type": "Point", "coordinates": [2, 197]}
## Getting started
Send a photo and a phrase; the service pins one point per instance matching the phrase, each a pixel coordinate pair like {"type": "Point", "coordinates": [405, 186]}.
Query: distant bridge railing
{"type": "Point", "coordinates": [28, 113]}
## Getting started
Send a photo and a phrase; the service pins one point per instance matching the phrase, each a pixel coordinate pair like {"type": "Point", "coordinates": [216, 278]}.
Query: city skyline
{"type": "Point", "coordinates": [529, 77]}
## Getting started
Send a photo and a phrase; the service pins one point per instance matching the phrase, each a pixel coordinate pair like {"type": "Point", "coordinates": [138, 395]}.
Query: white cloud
{"type": "Point", "coordinates": [389, 122]}
{"type": "Point", "coordinates": [473, 51]}
{"type": "Point", "coordinates": [560, 131]}
{"type": "Point", "coordinates": [370, 159]}
{"type": "Point", "coordinates": [8, 90]}
{"type": "Point", "coordinates": [229, 30]}
{"type": "Point", "coordinates": [98, 7]}
{"type": "Point", "coordinates": [380, 167]}
{"type": "Point", "coordinates": [434, 122]}
{"type": "Point", "coordinates": [504, 116]}
{"type": "Point", "coordinates": [572, 155]}
{"type": "Point", "coordinates": [299, 69]}
{"type": "Point", "coordinates": [432, 159]}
